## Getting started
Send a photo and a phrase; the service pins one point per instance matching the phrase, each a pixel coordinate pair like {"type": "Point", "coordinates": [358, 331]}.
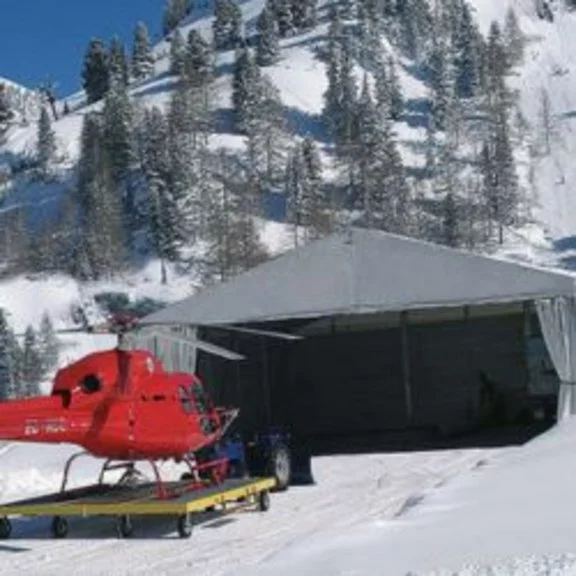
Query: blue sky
{"type": "Point", "coordinates": [48, 38]}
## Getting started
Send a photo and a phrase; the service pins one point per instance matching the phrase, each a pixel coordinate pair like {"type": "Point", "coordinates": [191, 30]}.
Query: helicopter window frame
{"type": "Point", "coordinates": [91, 384]}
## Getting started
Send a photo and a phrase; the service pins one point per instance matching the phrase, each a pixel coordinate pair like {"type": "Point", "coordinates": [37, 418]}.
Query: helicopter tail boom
{"type": "Point", "coordinates": [40, 420]}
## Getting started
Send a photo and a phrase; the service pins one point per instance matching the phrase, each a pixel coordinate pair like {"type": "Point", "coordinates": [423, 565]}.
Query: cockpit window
{"type": "Point", "coordinates": [197, 392]}
{"type": "Point", "coordinates": [185, 400]}
{"type": "Point", "coordinates": [91, 384]}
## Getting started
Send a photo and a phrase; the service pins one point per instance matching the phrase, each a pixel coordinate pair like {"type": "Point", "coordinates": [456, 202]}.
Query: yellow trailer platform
{"type": "Point", "coordinates": [123, 502]}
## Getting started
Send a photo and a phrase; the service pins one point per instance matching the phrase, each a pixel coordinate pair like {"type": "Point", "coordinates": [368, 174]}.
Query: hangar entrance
{"type": "Point", "coordinates": [470, 376]}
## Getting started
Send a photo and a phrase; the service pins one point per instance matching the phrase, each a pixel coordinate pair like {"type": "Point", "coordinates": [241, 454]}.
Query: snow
{"type": "Point", "coordinates": [349, 491]}
{"type": "Point", "coordinates": [515, 513]}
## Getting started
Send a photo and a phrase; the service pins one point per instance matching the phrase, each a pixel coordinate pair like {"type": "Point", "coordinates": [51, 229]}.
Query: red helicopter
{"type": "Point", "coordinates": [121, 405]}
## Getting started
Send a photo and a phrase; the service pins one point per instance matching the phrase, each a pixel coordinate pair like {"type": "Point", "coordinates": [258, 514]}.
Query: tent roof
{"type": "Point", "coordinates": [364, 271]}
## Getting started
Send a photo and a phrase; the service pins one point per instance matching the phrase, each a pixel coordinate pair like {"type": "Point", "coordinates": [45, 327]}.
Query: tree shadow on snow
{"type": "Point", "coordinates": [163, 83]}
{"type": "Point", "coordinates": [307, 124]}
{"type": "Point", "coordinates": [224, 121]}
{"type": "Point", "coordinates": [565, 244]}
{"type": "Point", "coordinates": [417, 71]}
{"type": "Point", "coordinates": [417, 112]}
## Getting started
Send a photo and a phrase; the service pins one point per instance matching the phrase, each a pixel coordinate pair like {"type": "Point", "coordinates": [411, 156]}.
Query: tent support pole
{"type": "Point", "coordinates": [406, 366]}
{"type": "Point", "coordinates": [266, 382]}
{"type": "Point", "coordinates": [527, 312]}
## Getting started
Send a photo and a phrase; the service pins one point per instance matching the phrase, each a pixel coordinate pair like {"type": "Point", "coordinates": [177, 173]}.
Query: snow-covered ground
{"type": "Point", "coordinates": [351, 492]}
{"type": "Point", "coordinates": [515, 514]}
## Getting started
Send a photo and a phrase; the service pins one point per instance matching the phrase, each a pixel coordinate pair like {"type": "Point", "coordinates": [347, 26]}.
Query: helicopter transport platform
{"type": "Point", "coordinates": [123, 502]}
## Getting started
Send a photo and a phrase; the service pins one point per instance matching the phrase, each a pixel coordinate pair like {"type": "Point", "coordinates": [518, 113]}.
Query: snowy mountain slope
{"type": "Point", "coordinates": [549, 65]}
{"type": "Point", "coordinates": [24, 102]}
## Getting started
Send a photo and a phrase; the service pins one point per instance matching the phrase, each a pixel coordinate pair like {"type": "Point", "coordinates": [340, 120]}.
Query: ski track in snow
{"type": "Point", "coordinates": [350, 490]}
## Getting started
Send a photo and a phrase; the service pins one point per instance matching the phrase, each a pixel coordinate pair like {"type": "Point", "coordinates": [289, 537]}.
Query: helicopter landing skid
{"type": "Point", "coordinates": [199, 477]}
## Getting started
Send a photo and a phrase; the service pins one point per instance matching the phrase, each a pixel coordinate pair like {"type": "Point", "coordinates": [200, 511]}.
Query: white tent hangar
{"type": "Point", "coordinates": [398, 333]}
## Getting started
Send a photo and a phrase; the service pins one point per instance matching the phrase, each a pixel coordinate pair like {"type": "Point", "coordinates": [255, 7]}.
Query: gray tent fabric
{"type": "Point", "coordinates": [558, 321]}
{"type": "Point", "coordinates": [363, 271]}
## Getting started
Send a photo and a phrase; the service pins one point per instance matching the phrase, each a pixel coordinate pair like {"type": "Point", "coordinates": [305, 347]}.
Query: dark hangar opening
{"type": "Point", "coordinates": [463, 376]}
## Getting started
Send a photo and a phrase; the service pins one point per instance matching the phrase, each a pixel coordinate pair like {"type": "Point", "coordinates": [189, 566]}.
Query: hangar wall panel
{"type": "Point", "coordinates": [447, 362]}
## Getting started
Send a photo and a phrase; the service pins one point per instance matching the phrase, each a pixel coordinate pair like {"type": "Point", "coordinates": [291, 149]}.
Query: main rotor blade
{"type": "Point", "coordinates": [217, 350]}
{"type": "Point", "coordinates": [230, 328]}
{"type": "Point", "coordinates": [205, 346]}
{"type": "Point", "coordinates": [254, 331]}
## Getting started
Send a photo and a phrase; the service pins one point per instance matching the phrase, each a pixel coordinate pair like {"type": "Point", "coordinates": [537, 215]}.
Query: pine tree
{"type": "Point", "coordinates": [174, 12]}
{"type": "Point", "coordinates": [142, 57]}
{"type": "Point", "coordinates": [99, 251]}
{"type": "Point", "coordinates": [268, 48]}
{"type": "Point", "coordinates": [441, 85]}
{"type": "Point", "coordinates": [546, 122]}
{"type": "Point", "coordinates": [369, 195]}
{"type": "Point", "coordinates": [32, 371]}
{"type": "Point", "coordinates": [304, 14]}
{"type": "Point", "coordinates": [294, 190]}
{"type": "Point", "coordinates": [6, 112]}
{"type": "Point", "coordinates": [348, 97]}
{"type": "Point", "coordinates": [266, 130]}
{"type": "Point", "coordinates": [500, 186]}
{"type": "Point", "coordinates": [496, 66]}
{"type": "Point", "coordinates": [381, 191]}
{"type": "Point", "coordinates": [162, 210]}
{"type": "Point", "coordinates": [13, 240]}
{"type": "Point", "coordinates": [450, 222]}
{"type": "Point", "coordinates": [47, 344]}
{"type": "Point", "coordinates": [414, 27]}
{"type": "Point", "coordinates": [177, 54]}
{"type": "Point", "coordinates": [227, 25]}
{"type": "Point", "coordinates": [118, 63]}
{"type": "Point", "coordinates": [246, 75]}
{"type": "Point", "coordinates": [117, 118]}
{"type": "Point", "coordinates": [396, 96]}
{"type": "Point", "coordinates": [95, 75]}
{"type": "Point", "coordinates": [220, 258]}
{"type": "Point", "coordinates": [333, 95]}
{"type": "Point", "coordinates": [8, 371]}
{"type": "Point", "coordinates": [233, 241]}
{"type": "Point", "coordinates": [189, 123]}
{"type": "Point", "coordinates": [466, 59]}
{"type": "Point", "coordinates": [514, 40]}
{"type": "Point", "coordinates": [314, 203]}
{"type": "Point", "coordinates": [198, 60]}
{"type": "Point", "coordinates": [46, 144]}
{"type": "Point", "coordinates": [283, 9]}
{"type": "Point", "coordinates": [431, 146]}
{"type": "Point", "coordinates": [348, 9]}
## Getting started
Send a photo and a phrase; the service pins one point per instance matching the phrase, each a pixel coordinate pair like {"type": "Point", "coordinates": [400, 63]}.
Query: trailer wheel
{"type": "Point", "coordinates": [185, 526]}
{"type": "Point", "coordinates": [5, 528]}
{"type": "Point", "coordinates": [280, 466]}
{"type": "Point", "coordinates": [59, 527]}
{"type": "Point", "coordinates": [264, 501]}
{"type": "Point", "coordinates": [124, 527]}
